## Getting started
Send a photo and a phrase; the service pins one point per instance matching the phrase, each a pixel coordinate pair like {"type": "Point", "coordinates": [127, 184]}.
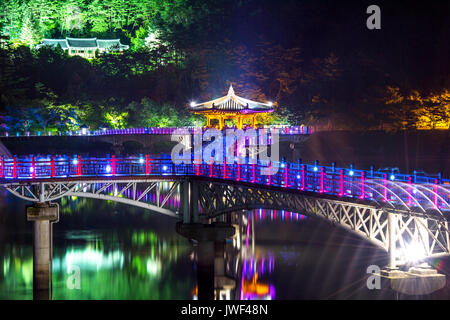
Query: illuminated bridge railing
{"type": "Point", "coordinates": [410, 191]}
{"type": "Point", "coordinates": [291, 130]}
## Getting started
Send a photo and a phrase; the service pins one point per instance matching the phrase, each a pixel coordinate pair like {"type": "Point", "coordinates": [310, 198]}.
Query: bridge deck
{"type": "Point", "coordinates": [417, 193]}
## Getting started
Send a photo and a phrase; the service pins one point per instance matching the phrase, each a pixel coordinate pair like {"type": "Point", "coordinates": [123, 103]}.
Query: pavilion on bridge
{"type": "Point", "coordinates": [232, 107]}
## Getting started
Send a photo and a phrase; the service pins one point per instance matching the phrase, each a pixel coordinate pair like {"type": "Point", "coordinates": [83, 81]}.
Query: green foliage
{"type": "Point", "coordinates": [148, 113]}
{"type": "Point", "coordinates": [28, 21]}
{"type": "Point", "coordinates": [183, 50]}
{"type": "Point", "coordinates": [116, 120]}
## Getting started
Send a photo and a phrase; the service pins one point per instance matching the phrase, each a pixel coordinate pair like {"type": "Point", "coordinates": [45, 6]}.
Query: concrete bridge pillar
{"type": "Point", "coordinates": [392, 233]}
{"type": "Point", "coordinates": [43, 215]}
{"type": "Point", "coordinates": [189, 201]}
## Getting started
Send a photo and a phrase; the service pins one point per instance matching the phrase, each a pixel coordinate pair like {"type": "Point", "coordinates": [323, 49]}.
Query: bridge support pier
{"type": "Point", "coordinates": [43, 215]}
{"type": "Point", "coordinates": [417, 280]}
{"type": "Point", "coordinates": [207, 235]}
{"type": "Point", "coordinates": [189, 201]}
{"type": "Point", "coordinates": [392, 228]}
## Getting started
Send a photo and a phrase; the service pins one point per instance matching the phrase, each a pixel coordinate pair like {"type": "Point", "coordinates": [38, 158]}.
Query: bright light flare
{"type": "Point", "coordinates": [414, 252]}
{"type": "Point", "coordinates": [192, 104]}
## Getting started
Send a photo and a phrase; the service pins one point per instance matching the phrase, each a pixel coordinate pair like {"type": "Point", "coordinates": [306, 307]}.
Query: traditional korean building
{"type": "Point", "coordinates": [85, 47]}
{"type": "Point", "coordinates": [230, 106]}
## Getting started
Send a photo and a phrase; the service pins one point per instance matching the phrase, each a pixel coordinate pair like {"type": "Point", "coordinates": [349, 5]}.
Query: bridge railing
{"type": "Point", "coordinates": [406, 190]}
{"type": "Point", "coordinates": [284, 130]}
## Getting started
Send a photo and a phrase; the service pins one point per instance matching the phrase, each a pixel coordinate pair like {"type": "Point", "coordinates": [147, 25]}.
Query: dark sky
{"type": "Point", "coordinates": [414, 36]}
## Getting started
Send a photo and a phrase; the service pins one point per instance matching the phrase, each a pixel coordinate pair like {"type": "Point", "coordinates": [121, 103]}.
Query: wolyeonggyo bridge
{"type": "Point", "coordinates": [406, 215]}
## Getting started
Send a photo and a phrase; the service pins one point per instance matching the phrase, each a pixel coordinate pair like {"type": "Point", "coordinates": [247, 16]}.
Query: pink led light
{"type": "Point", "coordinates": [211, 167]}
{"type": "Point", "coordinates": [363, 195]}
{"type": "Point", "coordinates": [79, 166]}
{"type": "Point", "coordinates": [52, 166]}
{"type": "Point", "coordinates": [321, 180]}
{"type": "Point", "coordinates": [409, 191]}
{"type": "Point", "coordinates": [3, 166]}
{"type": "Point", "coordinates": [225, 168]}
{"type": "Point", "coordinates": [435, 193]}
{"type": "Point", "coordinates": [285, 175]}
{"type": "Point", "coordinates": [113, 164]}
{"type": "Point", "coordinates": [33, 164]}
{"type": "Point", "coordinates": [341, 183]}
{"type": "Point", "coordinates": [303, 178]}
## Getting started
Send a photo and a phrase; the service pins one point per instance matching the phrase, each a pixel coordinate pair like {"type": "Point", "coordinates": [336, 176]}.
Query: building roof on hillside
{"type": "Point", "coordinates": [54, 43]}
{"type": "Point", "coordinates": [84, 43]}
{"type": "Point", "coordinates": [232, 103]}
{"type": "Point", "coordinates": [109, 44]}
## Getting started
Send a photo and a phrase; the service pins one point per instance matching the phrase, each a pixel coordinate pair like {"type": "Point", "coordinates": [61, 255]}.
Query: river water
{"type": "Point", "coordinates": [122, 252]}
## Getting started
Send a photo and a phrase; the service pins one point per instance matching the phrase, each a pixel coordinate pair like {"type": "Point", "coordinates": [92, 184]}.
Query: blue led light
{"type": "Point", "coordinates": [283, 165]}
{"type": "Point", "coordinates": [141, 160]}
{"type": "Point", "coordinates": [31, 169]}
{"type": "Point", "coordinates": [351, 172]}
{"type": "Point", "coordinates": [298, 176]}
{"type": "Point", "coordinates": [108, 169]}
{"type": "Point", "coordinates": [75, 161]}
{"type": "Point", "coordinates": [392, 177]}
{"type": "Point", "coordinates": [164, 168]}
{"type": "Point", "coordinates": [315, 169]}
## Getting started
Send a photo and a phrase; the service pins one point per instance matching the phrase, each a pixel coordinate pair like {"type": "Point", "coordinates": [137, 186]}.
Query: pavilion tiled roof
{"type": "Point", "coordinates": [232, 103]}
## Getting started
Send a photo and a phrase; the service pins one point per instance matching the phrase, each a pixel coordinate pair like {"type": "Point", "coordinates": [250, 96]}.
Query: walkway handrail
{"type": "Point", "coordinates": [412, 191]}
{"type": "Point", "coordinates": [284, 130]}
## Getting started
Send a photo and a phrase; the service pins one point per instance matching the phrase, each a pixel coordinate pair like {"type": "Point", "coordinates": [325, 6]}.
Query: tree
{"type": "Point", "coordinates": [11, 18]}
{"type": "Point", "coordinates": [28, 33]}
{"type": "Point", "coordinates": [97, 17]}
